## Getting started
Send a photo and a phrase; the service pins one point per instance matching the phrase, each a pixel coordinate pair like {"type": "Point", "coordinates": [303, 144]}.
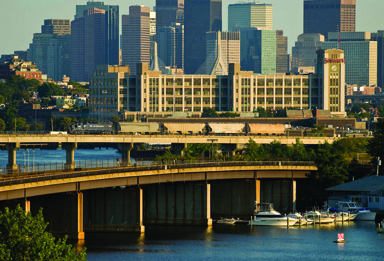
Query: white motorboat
{"type": "Point", "coordinates": [319, 218]}
{"type": "Point", "coordinates": [265, 215]}
{"type": "Point", "coordinates": [353, 208]}
{"type": "Point", "coordinates": [300, 219]}
{"type": "Point", "coordinates": [341, 216]}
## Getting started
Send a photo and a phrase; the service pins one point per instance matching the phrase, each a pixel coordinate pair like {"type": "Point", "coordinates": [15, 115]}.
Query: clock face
{"type": "Point", "coordinates": [334, 68]}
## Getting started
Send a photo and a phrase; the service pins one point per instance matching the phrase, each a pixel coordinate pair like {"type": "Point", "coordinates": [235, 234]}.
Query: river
{"type": "Point", "coordinates": [240, 242]}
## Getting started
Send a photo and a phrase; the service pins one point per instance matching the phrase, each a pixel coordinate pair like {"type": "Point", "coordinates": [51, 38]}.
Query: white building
{"type": "Point", "coordinates": [250, 15]}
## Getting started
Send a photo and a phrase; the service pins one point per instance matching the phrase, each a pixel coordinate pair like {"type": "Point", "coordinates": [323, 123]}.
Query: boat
{"type": "Point", "coordinates": [353, 208]}
{"type": "Point", "coordinates": [341, 216]}
{"type": "Point", "coordinates": [265, 215]}
{"type": "Point", "coordinates": [300, 219]}
{"type": "Point", "coordinates": [319, 218]}
{"type": "Point", "coordinates": [228, 221]}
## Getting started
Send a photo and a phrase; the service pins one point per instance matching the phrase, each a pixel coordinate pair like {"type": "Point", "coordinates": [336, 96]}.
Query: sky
{"type": "Point", "coordinates": [20, 19]}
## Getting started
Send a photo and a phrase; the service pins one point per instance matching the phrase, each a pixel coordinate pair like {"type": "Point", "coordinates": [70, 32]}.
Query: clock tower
{"type": "Point", "coordinates": [330, 68]}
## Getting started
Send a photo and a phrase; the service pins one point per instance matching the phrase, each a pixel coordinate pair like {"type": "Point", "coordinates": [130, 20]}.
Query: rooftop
{"type": "Point", "coordinates": [368, 184]}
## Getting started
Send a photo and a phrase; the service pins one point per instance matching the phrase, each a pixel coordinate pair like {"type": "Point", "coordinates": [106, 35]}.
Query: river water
{"type": "Point", "coordinates": [240, 242]}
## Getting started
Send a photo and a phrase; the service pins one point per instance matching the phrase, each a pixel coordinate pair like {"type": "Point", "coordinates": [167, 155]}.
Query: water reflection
{"type": "Point", "coordinates": [236, 242]}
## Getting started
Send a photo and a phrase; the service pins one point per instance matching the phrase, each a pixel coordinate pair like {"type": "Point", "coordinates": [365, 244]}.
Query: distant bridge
{"type": "Point", "coordinates": [126, 142]}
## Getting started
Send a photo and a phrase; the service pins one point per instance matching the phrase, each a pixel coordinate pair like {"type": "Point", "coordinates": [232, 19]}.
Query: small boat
{"type": "Point", "coordinates": [341, 216]}
{"type": "Point", "coordinates": [265, 215]}
{"type": "Point", "coordinates": [319, 218]}
{"type": "Point", "coordinates": [228, 221]}
{"type": "Point", "coordinates": [300, 219]}
{"type": "Point", "coordinates": [353, 208]}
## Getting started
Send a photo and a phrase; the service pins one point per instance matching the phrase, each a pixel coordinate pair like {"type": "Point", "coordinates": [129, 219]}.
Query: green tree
{"type": "Point", "coordinates": [23, 237]}
{"type": "Point", "coordinates": [298, 152]}
{"type": "Point", "coordinates": [37, 126]}
{"type": "Point", "coordinates": [2, 125]}
{"type": "Point", "coordinates": [20, 123]}
{"type": "Point", "coordinates": [262, 112]}
{"type": "Point", "coordinates": [356, 108]}
{"type": "Point", "coordinates": [115, 121]}
{"type": "Point", "coordinates": [229, 115]}
{"type": "Point", "coordinates": [50, 89]}
{"type": "Point", "coordinates": [66, 122]}
{"type": "Point", "coordinates": [318, 131]}
{"type": "Point", "coordinates": [376, 144]}
{"type": "Point", "coordinates": [209, 113]}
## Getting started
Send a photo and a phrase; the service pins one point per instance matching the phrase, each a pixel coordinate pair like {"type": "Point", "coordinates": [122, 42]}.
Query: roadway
{"type": "Point", "coordinates": [186, 139]}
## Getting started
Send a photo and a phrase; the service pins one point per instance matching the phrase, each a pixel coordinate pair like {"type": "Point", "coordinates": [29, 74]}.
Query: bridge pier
{"type": "Point", "coordinates": [125, 149]}
{"type": "Point", "coordinates": [70, 148]}
{"type": "Point", "coordinates": [178, 204]}
{"type": "Point", "coordinates": [12, 148]}
{"type": "Point", "coordinates": [178, 148]}
{"type": "Point", "coordinates": [293, 187]}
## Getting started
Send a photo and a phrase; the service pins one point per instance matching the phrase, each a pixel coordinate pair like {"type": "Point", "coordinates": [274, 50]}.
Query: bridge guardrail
{"type": "Point", "coordinates": [7, 180]}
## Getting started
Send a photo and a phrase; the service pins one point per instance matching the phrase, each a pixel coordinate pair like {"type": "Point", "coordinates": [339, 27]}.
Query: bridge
{"type": "Point", "coordinates": [125, 143]}
{"type": "Point", "coordinates": [127, 198]}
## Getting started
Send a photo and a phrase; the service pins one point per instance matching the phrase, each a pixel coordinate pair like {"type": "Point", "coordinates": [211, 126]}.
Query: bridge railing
{"type": "Point", "coordinates": [20, 178]}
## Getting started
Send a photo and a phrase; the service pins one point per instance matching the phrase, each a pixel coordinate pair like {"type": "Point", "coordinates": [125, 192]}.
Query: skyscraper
{"type": "Point", "coordinates": [323, 16]}
{"type": "Point", "coordinates": [258, 50]}
{"type": "Point", "coordinates": [170, 41]}
{"type": "Point", "coordinates": [200, 17]}
{"type": "Point", "coordinates": [250, 15]}
{"type": "Point", "coordinates": [360, 54]}
{"type": "Point", "coordinates": [56, 26]}
{"type": "Point", "coordinates": [281, 52]}
{"type": "Point", "coordinates": [169, 12]}
{"type": "Point", "coordinates": [88, 43]}
{"type": "Point", "coordinates": [379, 37]}
{"type": "Point", "coordinates": [304, 51]}
{"type": "Point", "coordinates": [223, 48]}
{"type": "Point", "coordinates": [111, 26]}
{"type": "Point", "coordinates": [136, 37]}
{"type": "Point", "coordinates": [50, 49]}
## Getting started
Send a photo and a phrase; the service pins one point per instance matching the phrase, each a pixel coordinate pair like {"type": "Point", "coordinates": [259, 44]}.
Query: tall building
{"type": "Point", "coordinates": [200, 17]}
{"type": "Point", "coordinates": [250, 15]}
{"type": "Point", "coordinates": [223, 48]}
{"type": "Point", "coordinates": [56, 26]}
{"type": "Point", "coordinates": [169, 12]}
{"type": "Point", "coordinates": [360, 54]}
{"type": "Point", "coordinates": [152, 34]}
{"type": "Point", "coordinates": [281, 52]}
{"type": "Point", "coordinates": [136, 37]}
{"type": "Point", "coordinates": [330, 92]}
{"type": "Point", "coordinates": [379, 38]}
{"type": "Point", "coordinates": [304, 51]}
{"type": "Point", "coordinates": [112, 28]}
{"type": "Point", "coordinates": [170, 40]}
{"type": "Point", "coordinates": [88, 44]}
{"type": "Point", "coordinates": [258, 50]}
{"type": "Point", "coordinates": [323, 16]}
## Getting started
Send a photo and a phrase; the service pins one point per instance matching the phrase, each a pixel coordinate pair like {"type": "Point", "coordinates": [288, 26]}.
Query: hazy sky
{"type": "Point", "coordinates": [20, 19]}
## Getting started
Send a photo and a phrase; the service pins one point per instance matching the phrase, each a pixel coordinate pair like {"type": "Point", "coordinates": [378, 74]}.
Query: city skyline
{"type": "Point", "coordinates": [368, 17]}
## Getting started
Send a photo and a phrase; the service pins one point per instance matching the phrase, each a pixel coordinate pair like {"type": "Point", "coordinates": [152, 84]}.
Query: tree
{"type": "Point", "coordinates": [23, 237]}
{"type": "Point", "coordinates": [2, 125]}
{"type": "Point", "coordinates": [209, 113]}
{"type": "Point", "coordinates": [318, 131]}
{"type": "Point", "coordinates": [65, 123]}
{"type": "Point", "coordinates": [376, 144]}
{"type": "Point", "coordinates": [115, 120]}
{"type": "Point", "coordinates": [50, 89]}
{"type": "Point", "coordinates": [20, 123]}
{"type": "Point", "coordinates": [37, 126]}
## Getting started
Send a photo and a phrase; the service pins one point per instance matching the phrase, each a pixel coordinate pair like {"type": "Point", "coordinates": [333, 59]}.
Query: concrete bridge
{"type": "Point", "coordinates": [125, 143]}
{"type": "Point", "coordinates": [127, 198]}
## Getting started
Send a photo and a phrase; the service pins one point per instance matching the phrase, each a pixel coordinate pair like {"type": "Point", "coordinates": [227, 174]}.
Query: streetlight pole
{"type": "Point", "coordinates": [33, 162]}
{"type": "Point", "coordinates": [153, 104]}
{"type": "Point", "coordinates": [28, 159]}
{"type": "Point", "coordinates": [212, 140]}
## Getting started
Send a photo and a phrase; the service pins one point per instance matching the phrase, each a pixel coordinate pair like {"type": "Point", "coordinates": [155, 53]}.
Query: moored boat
{"type": "Point", "coordinates": [300, 219]}
{"type": "Point", "coordinates": [353, 208]}
{"type": "Point", "coordinates": [319, 218]}
{"type": "Point", "coordinates": [228, 221]}
{"type": "Point", "coordinates": [265, 215]}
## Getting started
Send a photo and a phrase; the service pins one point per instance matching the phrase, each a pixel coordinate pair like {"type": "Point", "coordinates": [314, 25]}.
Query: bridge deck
{"type": "Point", "coordinates": [12, 186]}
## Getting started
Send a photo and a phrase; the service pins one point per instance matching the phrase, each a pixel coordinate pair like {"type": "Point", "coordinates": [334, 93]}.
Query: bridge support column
{"type": "Point", "coordinates": [208, 204]}
{"type": "Point", "coordinates": [257, 199]}
{"type": "Point", "coordinates": [125, 149]}
{"type": "Point", "coordinates": [27, 206]}
{"type": "Point", "coordinates": [12, 166]}
{"type": "Point", "coordinates": [140, 212]}
{"type": "Point", "coordinates": [293, 196]}
{"type": "Point", "coordinates": [229, 149]}
{"type": "Point", "coordinates": [70, 148]}
{"type": "Point", "coordinates": [178, 148]}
